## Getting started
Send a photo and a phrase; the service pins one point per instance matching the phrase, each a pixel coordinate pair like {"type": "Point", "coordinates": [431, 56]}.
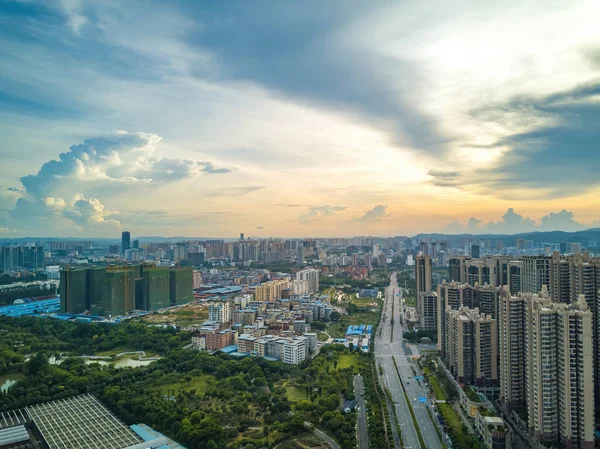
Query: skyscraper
{"type": "Point", "coordinates": [423, 274]}
{"type": "Point", "coordinates": [457, 269]}
{"type": "Point", "coordinates": [535, 273]}
{"type": "Point", "coordinates": [472, 347]}
{"type": "Point", "coordinates": [125, 241]}
{"type": "Point", "coordinates": [136, 244]}
{"type": "Point", "coordinates": [300, 255]}
{"type": "Point", "coordinates": [547, 366]}
{"type": "Point", "coordinates": [475, 251]}
{"type": "Point", "coordinates": [428, 312]}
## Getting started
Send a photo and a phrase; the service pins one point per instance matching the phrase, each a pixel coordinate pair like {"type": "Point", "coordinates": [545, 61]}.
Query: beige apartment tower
{"type": "Point", "coordinates": [451, 295]}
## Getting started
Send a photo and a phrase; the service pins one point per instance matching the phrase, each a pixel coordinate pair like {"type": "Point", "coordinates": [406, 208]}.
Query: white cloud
{"type": "Point", "coordinates": [119, 158]}
{"type": "Point", "coordinates": [320, 211]}
{"type": "Point", "coordinates": [513, 223]}
{"type": "Point", "coordinates": [377, 213]}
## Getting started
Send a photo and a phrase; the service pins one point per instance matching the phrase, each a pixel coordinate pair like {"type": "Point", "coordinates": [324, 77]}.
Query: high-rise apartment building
{"type": "Point", "coordinates": [219, 312]}
{"type": "Point", "coordinates": [547, 366]}
{"type": "Point", "coordinates": [311, 276]}
{"type": "Point", "coordinates": [485, 298]}
{"type": "Point", "coordinates": [560, 278]}
{"type": "Point", "coordinates": [428, 313]}
{"type": "Point", "coordinates": [450, 296]}
{"type": "Point", "coordinates": [514, 278]}
{"type": "Point", "coordinates": [511, 330]}
{"type": "Point", "coordinates": [299, 287]}
{"type": "Point", "coordinates": [196, 279]}
{"type": "Point", "coordinates": [457, 269]}
{"type": "Point", "coordinates": [472, 347]}
{"type": "Point", "coordinates": [300, 255]}
{"type": "Point", "coordinates": [423, 274]}
{"type": "Point", "coordinates": [13, 258]}
{"type": "Point", "coordinates": [559, 366]}
{"type": "Point", "coordinates": [535, 273]}
{"type": "Point", "coordinates": [125, 241]}
{"type": "Point", "coordinates": [270, 291]}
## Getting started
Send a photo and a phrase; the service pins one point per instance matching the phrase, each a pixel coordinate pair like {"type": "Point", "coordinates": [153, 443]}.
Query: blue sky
{"type": "Point", "coordinates": [298, 118]}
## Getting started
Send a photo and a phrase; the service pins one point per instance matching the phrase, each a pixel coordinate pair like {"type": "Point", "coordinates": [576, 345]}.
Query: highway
{"type": "Point", "coordinates": [390, 351]}
{"type": "Point", "coordinates": [359, 391]}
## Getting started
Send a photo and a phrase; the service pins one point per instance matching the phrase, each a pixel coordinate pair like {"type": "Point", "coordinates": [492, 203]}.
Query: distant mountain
{"type": "Point", "coordinates": [539, 236]}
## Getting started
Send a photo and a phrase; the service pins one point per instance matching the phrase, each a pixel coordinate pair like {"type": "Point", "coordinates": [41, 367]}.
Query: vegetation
{"type": "Point", "coordinates": [415, 336]}
{"type": "Point", "coordinates": [202, 400]}
{"type": "Point", "coordinates": [444, 390]}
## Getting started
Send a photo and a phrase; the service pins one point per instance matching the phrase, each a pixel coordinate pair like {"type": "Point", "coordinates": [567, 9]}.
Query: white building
{"type": "Point", "coordinates": [311, 276]}
{"type": "Point", "coordinates": [219, 312]}
{"type": "Point", "coordinates": [299, 287]}
{"type": "Point", "coordinates": [294, 351]}
{"type": "Point", "coordinates": [196, 279]}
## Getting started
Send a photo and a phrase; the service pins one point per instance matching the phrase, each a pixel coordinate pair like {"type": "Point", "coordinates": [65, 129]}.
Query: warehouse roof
{"type": "Point", "coordinates": [81, 422]}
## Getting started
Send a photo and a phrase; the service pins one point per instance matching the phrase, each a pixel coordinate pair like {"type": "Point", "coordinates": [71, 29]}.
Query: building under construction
{"type": "Point", "coordinates": [74, 297]}
{"type": "Point", "coordinates": [181, 286]}
{"type": "Point", "coordinates": [118, 290]}
{"type": "Point", "coordinates": [156, 288]}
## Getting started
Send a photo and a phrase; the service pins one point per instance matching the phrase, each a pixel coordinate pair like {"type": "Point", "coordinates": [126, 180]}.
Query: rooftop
{"type": "Point", "coordinates": [79, 422]}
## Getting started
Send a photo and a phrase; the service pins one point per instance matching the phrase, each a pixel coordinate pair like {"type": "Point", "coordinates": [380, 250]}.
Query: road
{"type": "Point", "coordinates": [391, 354]}
{"type": "Point", "coordinates": [331, 442]}
{"type": "Point", "coordinates": [359, 391]}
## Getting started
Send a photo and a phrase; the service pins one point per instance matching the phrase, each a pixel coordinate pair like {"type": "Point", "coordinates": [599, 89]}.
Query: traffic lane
{"type": "Point", "coordinates": [409, 433]}
{"type": "Point", "coordinates": [363, 437]}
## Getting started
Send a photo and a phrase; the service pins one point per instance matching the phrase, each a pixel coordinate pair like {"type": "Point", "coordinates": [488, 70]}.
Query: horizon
{"type": "Point", "coordinates": [250, 237]}
{"type": "Point", "coordinates": [172, 119]}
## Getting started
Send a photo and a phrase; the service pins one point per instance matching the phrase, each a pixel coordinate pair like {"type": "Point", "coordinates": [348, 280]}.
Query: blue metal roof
{"type": "Point", "coordinates": [229, 349]}
{"type": "Point", "coordinates": [31, 308]}
{"type": "Point", "coordinates": [223, 290]}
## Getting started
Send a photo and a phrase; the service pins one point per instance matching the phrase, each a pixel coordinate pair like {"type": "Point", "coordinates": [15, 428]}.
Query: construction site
{"type": "Point", "coordinates": [117, 290]}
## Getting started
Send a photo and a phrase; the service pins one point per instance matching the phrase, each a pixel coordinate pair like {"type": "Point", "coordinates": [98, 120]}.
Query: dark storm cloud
{"type": "Point", "coordinates": [559, 159]}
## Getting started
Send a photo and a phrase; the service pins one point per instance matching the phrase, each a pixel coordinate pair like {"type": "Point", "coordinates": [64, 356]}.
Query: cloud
{"type": "Point", "coordinates": [260, 227]}
{"type": "Point", "coordinates": [513, 223]}
{"type": "Point", "coordinates": [555, 157]}
{"type": "Point", "coordinates": [14, 189]}
{"type": "Point", "coordinates": [473, 223]}
{"type": "Point", "coordinates": [75, 19]}
{"type": "Point", "coordinates": [320, 211]}
{"type": "Point", "coordinates": [232, 191]}
{"type": "Point", "coordinates": [377, 213]}
{"type": "Point", "coordinates": [121, 158]}
{"type": "Point", "coordinates": [562, 220]}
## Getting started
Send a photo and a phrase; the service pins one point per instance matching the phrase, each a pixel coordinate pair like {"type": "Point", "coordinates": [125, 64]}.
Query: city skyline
{"type": "Point", "coordinates": [290, 120]}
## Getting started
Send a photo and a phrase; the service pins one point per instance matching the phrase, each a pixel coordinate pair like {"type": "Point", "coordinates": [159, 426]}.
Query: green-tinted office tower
{"type": "Point", "coordinates": [74, 291]}
{"type": "Point", "coordinates": [157, 287]}
{"type": "Point", "coordinates": [96, 280]}
{"type": "Point", "coordinates": [119, 292]}
{"type": "Point", "coordinates": [181, 286]}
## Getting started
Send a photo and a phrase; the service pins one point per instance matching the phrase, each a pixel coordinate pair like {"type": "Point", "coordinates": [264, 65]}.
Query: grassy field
{"type": "Point", "coordinates": [292, 392]}
{"type": "Point", "coordinates": [184, 316]}
{"type": "Point", "coordinates": [201, 384]}
{"type": "Point", "coordinates": [344, 361]}
{"type": "Point", "coordinates": [364, 302]}
{"type": "Point", "coordinates": [322, 336]}
{"type": "Point", "coordinates": [338, 330]}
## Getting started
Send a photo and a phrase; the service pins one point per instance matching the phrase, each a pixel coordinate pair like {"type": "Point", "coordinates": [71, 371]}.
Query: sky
{"type": "Point", "coordinates": [283, 118]}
